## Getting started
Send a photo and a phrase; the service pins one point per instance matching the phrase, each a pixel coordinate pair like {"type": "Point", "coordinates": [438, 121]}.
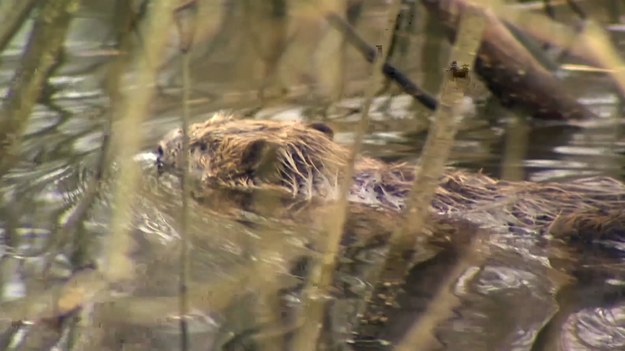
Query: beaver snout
{"type": "Point", "coordinates": [159, 159]}
{"type": "Point", "coordinates": [168, 152]}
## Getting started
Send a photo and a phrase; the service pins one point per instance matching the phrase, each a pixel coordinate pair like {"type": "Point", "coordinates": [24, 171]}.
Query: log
{"type": "Point", "coordinates": [510, 72]}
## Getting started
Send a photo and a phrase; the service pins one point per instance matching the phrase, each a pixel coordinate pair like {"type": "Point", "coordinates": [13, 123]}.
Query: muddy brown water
{"type": "Point", "coordinates": [524, 295]}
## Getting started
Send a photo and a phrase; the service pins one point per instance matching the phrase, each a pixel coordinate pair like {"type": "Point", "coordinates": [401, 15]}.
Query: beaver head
{"type": "Point", "coordinates": [242, 154]}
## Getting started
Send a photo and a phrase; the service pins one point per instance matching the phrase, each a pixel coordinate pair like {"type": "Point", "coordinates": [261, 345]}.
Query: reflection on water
{"type": "Point", "coordinates": [505, 303]}
{"type": "Point", "coordinates": [595, 328]}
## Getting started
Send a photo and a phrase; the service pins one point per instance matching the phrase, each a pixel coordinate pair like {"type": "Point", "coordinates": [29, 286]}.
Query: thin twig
{"type": "Point", "coordinates": [186, 20]}
{"type": "Point", "coordinates": [322, 271]}
{"type": "Point", "coordinates": [267, 300]}
{"type": "Point", "coordinates": [388, 69]}
{"type": "Point", "coordinates": [126, 141]}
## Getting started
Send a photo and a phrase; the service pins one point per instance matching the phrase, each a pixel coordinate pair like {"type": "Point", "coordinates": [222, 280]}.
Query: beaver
{"type": "Point", "coordinates": [302, 160]}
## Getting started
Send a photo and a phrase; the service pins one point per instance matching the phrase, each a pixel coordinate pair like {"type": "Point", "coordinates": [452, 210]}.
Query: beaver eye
{"type": "Point", "coordinates": [323, 128]}
{"type": "Point", "coordinates": [159, 151]}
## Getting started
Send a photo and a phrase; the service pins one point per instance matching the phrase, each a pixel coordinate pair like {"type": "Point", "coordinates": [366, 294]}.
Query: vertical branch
{"type": "Point", "coordinates": [515, 149]}
{"type": "Point", "coordinates": [268, 305]}
{"type": "Point", "coordinates": [322, 271]}
{"type": "Point", "coordinates": [84, 334]}
{"type": "Point", "coordinates": [431, 166]}
{"type": "Point", "coordinates": [38, 59]}
{"type": "Point", "coordinates": [440, 138]}
{"type": "Point", "coordinates": [185, 20]}
{"type": "Point", "coordinates": [127, 140]}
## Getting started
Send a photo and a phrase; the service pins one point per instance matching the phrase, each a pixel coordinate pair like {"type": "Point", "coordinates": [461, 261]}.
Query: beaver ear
{"type": "Point", "coordinates": [259, 156]}
{"type": "Point", "coordinates": [323, 128]}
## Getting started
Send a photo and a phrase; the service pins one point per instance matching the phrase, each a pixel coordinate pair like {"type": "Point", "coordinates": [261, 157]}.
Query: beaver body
{"type": "Point", "coordinates": [303, 161]}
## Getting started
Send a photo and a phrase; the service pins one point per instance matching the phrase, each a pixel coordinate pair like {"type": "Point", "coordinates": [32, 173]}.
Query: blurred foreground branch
{"type": "Point", "coordinates": [322, 272]}
{"type": "Point", "coordinates": [592, 44]}
{"type": "Point", "coordinates": [186, 18]}
{"type": "Point", "coordinates": [429, 169]}
{"type": "Point", "coordinates": [127, 139]}
{"type": "Point", "coordinates": [38, 59]}
{"type": "Point", "coordinates": [13, 13]}
{"type": "Point", "coordinates": [471, 29]}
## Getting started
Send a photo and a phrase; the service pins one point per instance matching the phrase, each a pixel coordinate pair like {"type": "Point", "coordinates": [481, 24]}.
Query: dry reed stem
{"type": "Point", "coordinates": [440, 138]}
{"type": "Point", "coordinates": [127, 140]}
{"type": "Point", "coordinates": [330, 57]}
{"type": "Point", "coordinates": [267, 310]}
{"type": "Point", "coordinates": [183, 303]}
{"type": "Point", "coordinates": [515, 148]}
{"type": "Point", "coordinates": [429, 170]}
{"type": "Point", "coordinates": [13, 13]}
{"type": "Point", "coordinates": [267, 36]}
{"type": "Point", "coordinates": [317, 290]}
{"type": "Point", "coordinates": [186, 26]}
{"type": "Point", "coordinates": [267, 300]}
{"type": "Point", "coordinates": [267, 304]}
{"type": "Point", "coordinates": [38, 59]}
{"type": "Point", "coordinates": [85, 332]}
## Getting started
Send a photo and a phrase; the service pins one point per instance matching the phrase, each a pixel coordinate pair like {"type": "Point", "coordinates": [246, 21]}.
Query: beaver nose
{"type": "Point", "coordinates": [159, 159]}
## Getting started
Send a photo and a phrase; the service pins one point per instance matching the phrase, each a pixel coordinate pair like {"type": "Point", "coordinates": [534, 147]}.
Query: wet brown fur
{"type": "Point", "coordinates": [240, 154]}
{"type": "Point", "coordinates": [303, 160]}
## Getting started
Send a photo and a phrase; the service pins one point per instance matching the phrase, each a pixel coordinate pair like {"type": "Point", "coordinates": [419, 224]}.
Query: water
{"type": "Point", "coordinates": [529, 293]}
